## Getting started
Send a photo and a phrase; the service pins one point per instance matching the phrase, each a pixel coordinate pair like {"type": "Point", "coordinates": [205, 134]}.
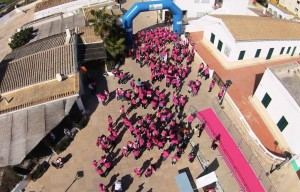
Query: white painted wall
{"type": "Point", "coordinates": [68, 8]}
{"type": "Point", "coordinates": [213, 25]}
{"type": "Point", "coordinates": [291, 5]}
{"type": "Point", "coordinates": [234, 7]}
{"type": "Point", "coordinates": [195, 8]}
{"type": "Point", "coordinates": [282, 104]}
{"type": "Point", "coordinates": [279, 14]}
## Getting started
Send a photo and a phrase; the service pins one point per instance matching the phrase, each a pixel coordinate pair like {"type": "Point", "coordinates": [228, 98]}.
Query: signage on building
{"type": "Point", "coordinates": [155, 7]}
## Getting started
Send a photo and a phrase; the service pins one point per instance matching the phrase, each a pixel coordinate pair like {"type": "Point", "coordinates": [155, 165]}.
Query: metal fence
{"type": "Point", "coordinates": [244, 147]}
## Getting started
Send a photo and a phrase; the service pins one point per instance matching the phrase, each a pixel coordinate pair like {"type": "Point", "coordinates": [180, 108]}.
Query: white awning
{"type": "Point", "coordinates": [206, 180]}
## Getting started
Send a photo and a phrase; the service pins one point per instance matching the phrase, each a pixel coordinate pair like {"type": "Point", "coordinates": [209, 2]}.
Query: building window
{"type": "Point", "coordinates": [212, 38]}
{"type": "Point", "coordinates": [296, 9]}
{"type": "Point", "coordinates": [282, 123]}
{"type": "Point", "coordinates": [242, 54]}
{"type": "Point", "coordinates": [282, 50]}
{"type": "Point", "coordinates": [220, 45]}
{"type": "Point", "coordinates": [288, 50]}
{"type": "Point", "coordinates": [270, 53]}
{"type": "Point", "coordinates": [293, 52]}
{"type": "Point", "coordinates": [257, 53]}
{"type": "Point", "coordinates": [266, 100]}
{"type": "Point", "coordinates": [227, 50]}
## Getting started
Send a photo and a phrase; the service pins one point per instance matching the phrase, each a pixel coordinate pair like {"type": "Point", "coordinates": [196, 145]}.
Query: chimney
{"type": "Point", "coordinates": [264, 10]}
{"type": "Point", "coordinates": [68, 35]}
{"type": "Point", "coordinates": [61, 77]}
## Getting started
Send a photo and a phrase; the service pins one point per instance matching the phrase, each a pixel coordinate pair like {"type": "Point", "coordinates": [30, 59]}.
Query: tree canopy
{"type": "Point", "coordinates": [21, 38]}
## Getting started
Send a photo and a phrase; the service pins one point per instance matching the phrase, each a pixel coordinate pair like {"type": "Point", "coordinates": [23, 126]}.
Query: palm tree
{"type": "Point", "coordinates": [102, 22]}
{"type": "Point", "coordinates": [115, 46]}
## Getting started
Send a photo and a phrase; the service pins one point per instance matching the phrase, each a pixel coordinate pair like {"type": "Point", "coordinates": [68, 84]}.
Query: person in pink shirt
{"type": "Point", "coordinates": [122, 110]}
{"type": "Point", "coordinates": [110, 121]}
{"type": "Point", "coordinates": [106, 93]}
{"type": "Point", "coordinates": [182, 102]}
{"type": "Point", "coordinates": [117, 94]}
{"type": "Point", "coordinates": [144, 103]}
{"type": "Point", "coordinates": [174, 159]}
{"type": "Point", "coordinates": [200, 71]}
{"type": "Point", "coordinates": [165, 154]}
{"type": "Point", "coordinates": [100, 171]}
{"type": "Point", "coordinates": [136, 154]}
{"type": "Point", "coordinates": [148, 172]}
{"type": "Point", "coordinates": [130, 145]}
{"type": "Point", "coordinates": [206, 72]}
{"type": "Point", "coordinates": [138, 171]}
{"type": "Point", "coordinates": [190, 119]}
{"type": "Point", "coordinates": [132, 105]}
{"type": "Point", "coordinates": [211, 85]}
{"type": "Point", "coordinates": [132, 83]}
{"type": "Point", "coordinates": [102, 188]}
{"type": "Point", "coordinates": [149, 145]}
{"type": "Point", "coordinates": [95, 164]}
{"type": "Point", "coordinates": [125, 151]}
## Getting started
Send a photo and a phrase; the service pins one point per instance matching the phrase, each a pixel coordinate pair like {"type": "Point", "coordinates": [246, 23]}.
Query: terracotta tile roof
{"type": "Point", "coordinates": [50, 3]}
{"type": "Point", "coordinates": [37, 68]}
{"type": "Point", "coordinates": [37, 46]}
{"type": "Point", "coordinates": [22, 130]}
{"type": "Point", "coordinates": [40, 93]}
{"type": "Point", "coordinates": [251, 28]}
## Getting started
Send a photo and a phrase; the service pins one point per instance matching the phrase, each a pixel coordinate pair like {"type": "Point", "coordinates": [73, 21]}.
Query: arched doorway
{"type": "Point", "coordinates": [128, 17]}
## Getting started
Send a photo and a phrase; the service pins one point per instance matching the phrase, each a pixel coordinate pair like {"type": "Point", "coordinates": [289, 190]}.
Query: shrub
{"type": "Point", "coordinates": [40, 170]}
{"type": "Point", "coordinates": [62, 145]}
{"type": "Point", "coordinates": [21, 38]}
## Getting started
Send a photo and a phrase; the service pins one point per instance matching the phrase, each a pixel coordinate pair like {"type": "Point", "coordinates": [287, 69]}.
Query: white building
{"type": "Point", "coordinates": [248, 38]}
{"type": "Point", "coordinates": [291, 5]}
{"type": "Point", "coordinates": [279, 12]}
{"type": "Point", "coordinates": [195, 8]}
{"type": "Point", "coordinates": [66, 7]}
{"type": "Point", "coordinates": [278, 98]}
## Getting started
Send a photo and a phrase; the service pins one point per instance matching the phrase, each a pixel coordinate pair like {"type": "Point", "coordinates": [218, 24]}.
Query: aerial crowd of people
{"type": "Point", "coordinates": [166, 126]}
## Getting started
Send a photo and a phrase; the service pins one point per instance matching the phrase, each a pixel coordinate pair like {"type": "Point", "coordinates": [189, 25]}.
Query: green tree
{"type": "Point", "coordinates": [102, 22]}
{"type": "Point", "coordinates": [115, 46]}
{"type": "Point", "coordinates": [21, 38]}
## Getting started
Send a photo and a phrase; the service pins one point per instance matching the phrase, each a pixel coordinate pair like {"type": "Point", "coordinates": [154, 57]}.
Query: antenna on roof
{"type": "Point", "coordinates": [264, 10]}
{"type": "Point", "coordinates": [68, 37]}
{"type": "Point", "coordinates": [60, 77]}
{"type": "Point", "coordinates": [5, 99]}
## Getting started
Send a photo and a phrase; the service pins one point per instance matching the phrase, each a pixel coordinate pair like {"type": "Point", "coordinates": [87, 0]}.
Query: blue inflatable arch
{"type": "Point", "coordinates": [128, 17]}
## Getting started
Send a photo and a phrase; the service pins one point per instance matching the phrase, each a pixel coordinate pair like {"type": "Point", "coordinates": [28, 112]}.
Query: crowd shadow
{"type": "Point", "coordinates": [190, 177]}
{"type": "Point", "coordinates": [113, 179]}
{"type": "Point", "coordinates": [141, 187]}
{"type": "Point", "coordinates": [213, 166]}
{"type": "Point", "coordinates": [127, 180]}
{"type": "Point", "coordinates": [67, 157]}
{"type": "Point", "coordinates": [145, 165]}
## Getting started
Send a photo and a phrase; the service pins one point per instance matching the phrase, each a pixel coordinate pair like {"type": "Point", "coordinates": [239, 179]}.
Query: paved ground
{"type": "Point", "coordinates": [245, 80]}
{"type": "Point", "coordinates": [84, 151]}
{"type": "Point", "coordinates": [8, 29]}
